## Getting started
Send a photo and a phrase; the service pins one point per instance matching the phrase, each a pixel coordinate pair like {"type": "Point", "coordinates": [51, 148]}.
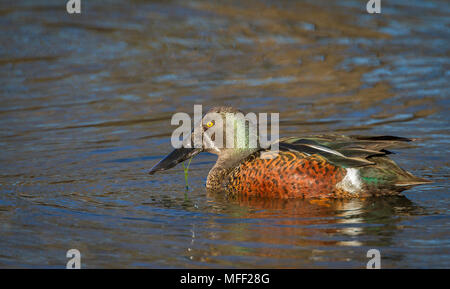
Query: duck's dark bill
{"type": "Point", "coordinates": [175, 157]}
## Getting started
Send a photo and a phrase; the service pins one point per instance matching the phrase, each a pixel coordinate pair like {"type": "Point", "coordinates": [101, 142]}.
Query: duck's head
{"type": "Point", "coordinates": [239, 138]}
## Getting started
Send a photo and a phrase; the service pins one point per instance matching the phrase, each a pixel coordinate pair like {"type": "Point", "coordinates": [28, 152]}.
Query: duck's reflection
{"type": "Point", "coordinates": [293, 233]}
{"type": "Point", "coordinates": [332, 222]}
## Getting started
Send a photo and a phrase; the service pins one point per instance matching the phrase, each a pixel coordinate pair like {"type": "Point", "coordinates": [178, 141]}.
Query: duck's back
{"type": "Point", "coordinates": [323, 167]}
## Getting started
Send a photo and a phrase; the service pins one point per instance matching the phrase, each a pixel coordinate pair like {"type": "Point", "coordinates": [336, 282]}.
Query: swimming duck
{"type": "Point", "coordinates": [321, 166]}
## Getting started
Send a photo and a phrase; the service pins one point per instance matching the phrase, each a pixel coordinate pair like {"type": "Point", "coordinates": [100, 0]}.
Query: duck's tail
{"type": "Point", "coordinates": [387, 176]}
{"type": "Point", "coordinates": [415, 181]}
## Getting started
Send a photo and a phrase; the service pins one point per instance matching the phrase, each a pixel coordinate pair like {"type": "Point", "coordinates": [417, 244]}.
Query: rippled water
{"type": "Point", "coordinates": [86, 102]}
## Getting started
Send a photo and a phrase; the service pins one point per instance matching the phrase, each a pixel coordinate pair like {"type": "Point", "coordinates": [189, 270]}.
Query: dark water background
{"type": "Point", "coordinates": [86, 102]}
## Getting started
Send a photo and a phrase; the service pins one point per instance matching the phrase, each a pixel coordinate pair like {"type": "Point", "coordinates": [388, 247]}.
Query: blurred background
{"type": "Point", "coordinates": [86, 103]}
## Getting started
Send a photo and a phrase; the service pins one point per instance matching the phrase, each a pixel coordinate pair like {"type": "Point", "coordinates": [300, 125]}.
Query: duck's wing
{"type": "Point", "coordinates": [344, 151]}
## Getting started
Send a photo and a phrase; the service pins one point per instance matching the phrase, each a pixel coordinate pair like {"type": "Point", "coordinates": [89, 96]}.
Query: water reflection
{"type": "Point", "coordinates": [299, 232]}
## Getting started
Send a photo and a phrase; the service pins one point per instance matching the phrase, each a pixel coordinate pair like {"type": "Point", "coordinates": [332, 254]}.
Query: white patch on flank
{"type": "Point", "coordinates": [351, 182]}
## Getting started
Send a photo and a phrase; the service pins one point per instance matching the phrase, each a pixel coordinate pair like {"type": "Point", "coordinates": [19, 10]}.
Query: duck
{"type": "Point", "coordinates": [328, 166]}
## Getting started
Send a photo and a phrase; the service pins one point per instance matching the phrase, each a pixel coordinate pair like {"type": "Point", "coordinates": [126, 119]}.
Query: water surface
{"type": "Point", "coordinates": [86, 102]}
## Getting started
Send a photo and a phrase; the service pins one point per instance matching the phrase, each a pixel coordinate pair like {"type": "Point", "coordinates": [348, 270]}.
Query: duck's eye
{"type": "Point", "coordinates": [209, 124]}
